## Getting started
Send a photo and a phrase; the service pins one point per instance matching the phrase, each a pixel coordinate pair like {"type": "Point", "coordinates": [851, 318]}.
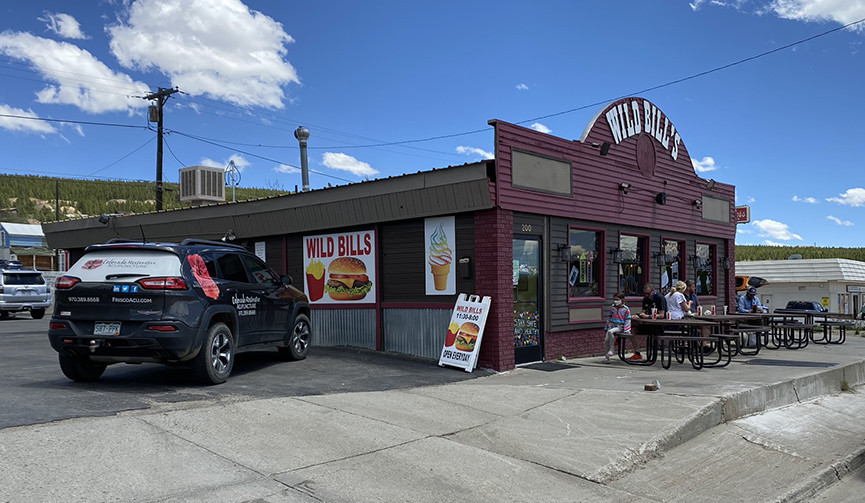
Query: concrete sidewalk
{"type": "Point", "coordinates": [775, 427]}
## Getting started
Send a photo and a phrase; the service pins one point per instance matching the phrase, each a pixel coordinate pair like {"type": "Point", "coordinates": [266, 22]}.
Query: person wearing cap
{"type": "Point", "coordinates": [750, 303]}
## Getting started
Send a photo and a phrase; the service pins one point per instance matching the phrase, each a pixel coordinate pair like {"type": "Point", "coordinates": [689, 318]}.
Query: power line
{"type": "Point", "coordinates": [203, 140]}
{"type": "Point", "coordinates": [603, 102]}
{"type": "Point", "coordinates": [68, 121]}
{"type": "Point", "coordinates": [124, 157]}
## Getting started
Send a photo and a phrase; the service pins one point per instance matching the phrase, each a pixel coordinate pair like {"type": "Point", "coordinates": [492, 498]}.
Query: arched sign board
{"type": "Point", "coordinates": [639, 120]}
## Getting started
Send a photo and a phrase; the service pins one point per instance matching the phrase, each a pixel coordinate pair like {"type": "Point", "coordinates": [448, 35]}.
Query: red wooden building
{"type": "Point", "coordinates": [550, 230]}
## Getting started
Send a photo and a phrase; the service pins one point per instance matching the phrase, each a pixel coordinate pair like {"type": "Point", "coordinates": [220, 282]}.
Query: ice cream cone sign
{"type": "Point", "coordinates": [440, 256]}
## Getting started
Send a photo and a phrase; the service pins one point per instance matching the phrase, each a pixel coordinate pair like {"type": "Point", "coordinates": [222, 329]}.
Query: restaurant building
{"type": "Point", "coordinates": [550, 229]}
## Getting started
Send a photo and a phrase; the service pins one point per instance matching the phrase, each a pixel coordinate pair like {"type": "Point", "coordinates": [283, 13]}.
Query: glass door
{"type": "Point", "coordinates": [528, 329]}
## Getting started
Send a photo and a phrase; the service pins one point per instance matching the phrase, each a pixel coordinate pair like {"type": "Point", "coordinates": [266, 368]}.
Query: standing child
{"type": "Point", "coordinates": [619, 321]}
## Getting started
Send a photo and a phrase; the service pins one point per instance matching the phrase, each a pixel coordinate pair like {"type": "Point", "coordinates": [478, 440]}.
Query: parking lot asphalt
{"type": "Point", "coordinates": [781, 426]}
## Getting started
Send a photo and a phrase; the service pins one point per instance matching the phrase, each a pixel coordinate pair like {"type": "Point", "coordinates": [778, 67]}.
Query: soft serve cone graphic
{"type": "Point", "coordinates": [440, 258]}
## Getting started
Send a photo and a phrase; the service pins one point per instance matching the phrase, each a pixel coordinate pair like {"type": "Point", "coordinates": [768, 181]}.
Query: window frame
{"type": "Point", "coordinates": [713, 267]}
{"type": "Point", "coordinates": [682, 247]}
{"type": "Point", "coordinates": [600, 248]}
{"type": "Point", "coordinates": [645, 263]}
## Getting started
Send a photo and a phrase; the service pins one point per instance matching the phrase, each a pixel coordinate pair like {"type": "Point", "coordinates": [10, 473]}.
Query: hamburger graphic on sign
{"type": "Point", "coordinates": [340, 267]}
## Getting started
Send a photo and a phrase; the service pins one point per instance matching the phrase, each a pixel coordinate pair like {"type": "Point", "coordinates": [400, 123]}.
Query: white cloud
{"type": "Point", "coordinates": [522, 87]}
{"type": "Point", "coordinates": [840, 11]}
{"type": "Point", "coordinates": [239, 161]}
{"type": "Point", "coordinates": [285, 168]}
{"type": "Point", "coordinates": [775, 230]}
{"type": "Point", "coordinates": [62, 24]}
{"type": "Point", "coordinates": [751, 200]}
{"type": "Point", "coordinates": [218, 48]}
{"type": "Point", "coordinates": [853, 197]}
{"type": "Point", "coordinates": [809, 200]}
{"type": "Point", "coordinates": [474, 152]}
{"type": "Point", "coordinates": [345, 162]}
{"type": "Point", "coordinates": [774, 243]}
{"type": "Point", "coordinates": [838, 221]}
{"type": "Point", "coordinates": [696, 4]}
{"type": "Point", "coordinates": [25, 125]}
{"type": "Point", "coordinates": [82, 80]}
{"type": "Point", "coordinates": [537, 126]}
{"type": "Point", "coordinates": [707, 164]}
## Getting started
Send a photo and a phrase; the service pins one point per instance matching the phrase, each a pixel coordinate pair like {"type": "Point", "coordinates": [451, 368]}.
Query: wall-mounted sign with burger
{"type": "Point", "coordinates": [340, 267]}
{"type": "Point", "coordinates": [463, 339]}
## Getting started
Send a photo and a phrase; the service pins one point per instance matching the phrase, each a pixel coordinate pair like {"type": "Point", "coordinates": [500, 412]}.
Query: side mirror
{"type": "Point", "coordinates": [286, 279]}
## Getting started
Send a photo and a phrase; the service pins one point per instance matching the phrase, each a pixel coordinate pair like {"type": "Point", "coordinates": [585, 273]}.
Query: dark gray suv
{"type": "Point", "coordinates": [196, 303]}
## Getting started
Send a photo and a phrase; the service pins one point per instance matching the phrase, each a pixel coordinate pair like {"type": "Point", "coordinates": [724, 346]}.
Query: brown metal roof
{"type": "Point", "coordinates": [439, 192]}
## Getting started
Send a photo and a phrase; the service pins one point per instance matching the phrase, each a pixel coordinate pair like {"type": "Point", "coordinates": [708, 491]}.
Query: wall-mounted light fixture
{"type": "Point", "coordinates": [228, 237]}
{"type": "Point", "coordinates": [616, 255]}
{"type": "Point", "coordinates": [710, 184]}
{"type": "Point", "coordinates": [104, 219]}
{"type": "Point", "coordinates": [605, 147]}
{"type": "Point", "coordinates": [726, 263]}
{"type": "Point", "coordinates": [695, 261]}
{"type": "Point", "coordinates": [698, 203]}
{"type": "Point", "coordinates": [660, 258]}
{"type": "Point", "coordinates": [564, 253]}
{"type": "Point", "coordinates": [661, 198]}
{"type": "Point", "coordinates": [624, 187]}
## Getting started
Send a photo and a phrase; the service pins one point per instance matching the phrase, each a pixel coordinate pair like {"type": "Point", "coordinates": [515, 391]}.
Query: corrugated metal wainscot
{"type": "Point", "coordinates": [344, 327]}
{"type": "Point", "coordinates": [417, 332]}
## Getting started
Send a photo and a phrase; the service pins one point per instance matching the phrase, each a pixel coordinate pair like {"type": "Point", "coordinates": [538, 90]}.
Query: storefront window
{"type": "Point", "coordinates": [704, 269]}
{"type": "Point", "coordinates": [584, 266]}
{"type": "Point", "coordinates": [672, 264]}
{"type": "Point", "coordinates": [631, 279]}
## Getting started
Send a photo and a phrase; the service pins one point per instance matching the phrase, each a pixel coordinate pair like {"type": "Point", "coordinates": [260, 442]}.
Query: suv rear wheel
{"type": "Point", "coordinates": [215, 360]}
{"type": "Point", "coordinates": [80, 369]}
{"type": "Point", "coordinates": [298, 340]}
{"type": "Point", "coordinates": [37, 314]}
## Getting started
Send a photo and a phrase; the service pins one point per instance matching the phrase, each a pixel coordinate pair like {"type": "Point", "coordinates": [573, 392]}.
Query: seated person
{"type": "Point", "coordinates": [651, 300]}
{"type": "Point", "coordinates": [750, 303]}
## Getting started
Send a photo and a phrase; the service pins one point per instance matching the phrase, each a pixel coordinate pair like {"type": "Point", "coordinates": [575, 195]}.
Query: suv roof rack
{"type": "Point", "coordinates": [206, 242]}
{"type": "Point", "coordinates": [122, 240]}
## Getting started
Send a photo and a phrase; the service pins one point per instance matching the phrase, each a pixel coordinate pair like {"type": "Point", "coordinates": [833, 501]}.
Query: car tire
{"type": "Point", "coordinates": [4, 315]}
{"type": "Point", "coordinates": [297, 346]}
{"type": "Point", "coordinates": [80, 369]}
{"type": "Point", "coordinates": [37, 314]}
{"type": "Point", "coordinates": [215, 359]}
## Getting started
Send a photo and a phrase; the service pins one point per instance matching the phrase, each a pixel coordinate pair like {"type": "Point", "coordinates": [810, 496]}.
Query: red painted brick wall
{"type": "Point", "coordinates": [494, 234]}
{"type": "Point", "coordinates": [573, 343]}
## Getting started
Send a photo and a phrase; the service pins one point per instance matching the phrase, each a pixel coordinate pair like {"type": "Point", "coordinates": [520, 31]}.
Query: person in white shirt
{"type": "Point", "coordinates": [677, 305]}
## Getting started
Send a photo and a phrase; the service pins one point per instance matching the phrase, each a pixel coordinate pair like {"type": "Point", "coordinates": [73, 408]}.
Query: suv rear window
{"type": "Point", "coordinates": [97, 265]}
{"type": "Point", "coordinates": [23, 278]}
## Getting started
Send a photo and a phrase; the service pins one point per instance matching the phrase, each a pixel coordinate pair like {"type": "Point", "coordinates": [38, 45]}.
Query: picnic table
{"type": "Point", "coordinates": [683, 338]}
{"type": "Point", "coordinates": [748, 327]}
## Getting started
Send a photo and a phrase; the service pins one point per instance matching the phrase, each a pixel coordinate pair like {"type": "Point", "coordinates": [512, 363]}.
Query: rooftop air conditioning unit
{"type": "Point", "coordinates": [202, 184]}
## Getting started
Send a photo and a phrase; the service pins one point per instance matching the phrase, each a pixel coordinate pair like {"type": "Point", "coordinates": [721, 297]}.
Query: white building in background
{"type": "Point", "coordinates": [839, 284]}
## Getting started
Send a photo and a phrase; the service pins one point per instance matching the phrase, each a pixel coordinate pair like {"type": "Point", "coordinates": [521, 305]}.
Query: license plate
{"type": "Point", "coordinates": [102, 328]}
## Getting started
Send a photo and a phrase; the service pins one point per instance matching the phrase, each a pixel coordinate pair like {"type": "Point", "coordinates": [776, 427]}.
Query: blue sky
{"type": "Point", "coordinates": [369, 78]}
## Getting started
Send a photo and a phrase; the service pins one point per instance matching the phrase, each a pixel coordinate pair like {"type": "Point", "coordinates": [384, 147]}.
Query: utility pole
{"type": "Point", "coordinates": [160, 96]}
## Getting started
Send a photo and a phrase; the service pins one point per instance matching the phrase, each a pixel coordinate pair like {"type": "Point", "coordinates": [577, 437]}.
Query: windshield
{"type": "Point", "coordinates": [23, 278]}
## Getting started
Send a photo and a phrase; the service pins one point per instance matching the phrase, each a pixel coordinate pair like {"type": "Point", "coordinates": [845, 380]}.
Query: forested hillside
{"type": "Point", "coordinates": [33, 197]}
{"type": "Point", "coordinates": [756, 252]}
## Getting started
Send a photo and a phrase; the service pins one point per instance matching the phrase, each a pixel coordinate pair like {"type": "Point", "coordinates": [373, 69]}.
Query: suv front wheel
{"type": "Point", "coordinates": [297, 346]}
{"type": "Point", "coordinates": [215, 359]}
{"type": "Point", "coordinates": [80, 369]}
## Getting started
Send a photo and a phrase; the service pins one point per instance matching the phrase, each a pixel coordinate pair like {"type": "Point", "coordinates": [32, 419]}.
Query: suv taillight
{"type": "Point", "coordinates": [162, 284]}
{"type": "Point", "coordinates": [66, 282]}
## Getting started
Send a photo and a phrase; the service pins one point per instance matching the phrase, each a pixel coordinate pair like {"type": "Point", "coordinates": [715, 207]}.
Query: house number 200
{"type": "Point", "coordinates": [527, 228]}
